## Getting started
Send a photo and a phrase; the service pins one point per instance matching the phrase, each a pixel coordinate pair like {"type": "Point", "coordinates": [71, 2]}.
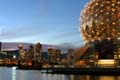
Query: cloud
{"type": "Point", "coordinates": [70, 45]}
{"type": "Point", "coordinates": [63, 35]}
{"type": "Point", "coordinates": [18, 32]}
{"type": "Point", "coordinates": [66, 34]}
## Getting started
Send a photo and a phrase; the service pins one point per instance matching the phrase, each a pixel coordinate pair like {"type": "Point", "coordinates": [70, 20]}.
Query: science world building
{"type": "Point", "coordinates": [100, 28]}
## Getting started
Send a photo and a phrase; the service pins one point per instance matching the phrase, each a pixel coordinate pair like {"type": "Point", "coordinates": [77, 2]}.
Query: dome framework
{"type": "Point", "coordinates": [99, 20]}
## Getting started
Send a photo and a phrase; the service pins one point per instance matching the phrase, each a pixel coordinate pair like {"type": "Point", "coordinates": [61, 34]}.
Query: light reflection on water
{"type": "Point", "coordinates": [13, 74]}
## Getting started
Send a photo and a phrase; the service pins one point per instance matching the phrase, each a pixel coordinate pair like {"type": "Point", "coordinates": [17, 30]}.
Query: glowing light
{"type": "Point", "coordinates": [119, 14]}
{"type": "Point", "coordinates": [96, 4]}
{"type": "Point", "coordinates": [113, 9]}
{"type": "Point", "coordinates": [118, 2]}
{"type": "Point", "coordinates": [113, 23]}
{"type": "Point", "coordinates": [92, 40]}
{"type": "Point", "coordinates": [107, 2]}
{"type": "Point", "coordinates": [108, 38]}
{"type": "Point", "coordinates": [107, 13]}
{"type": "Point", "coordinates": [99, 20]}
{"type": "Point", "coordinates": [118, 38]}
{"type": "Point", "coordinates": [99, 39]}
{"type": "Point", "coordinates": [13, 73]}
{"type": "Point", "coordinates": [14, 56]}
{"type": "Point", "coordinates": [108, 61]}
{"type": "Point", "coordinates": [113, 4]}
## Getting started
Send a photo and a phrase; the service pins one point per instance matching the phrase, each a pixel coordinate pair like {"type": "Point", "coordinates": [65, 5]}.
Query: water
{"type": "Point", "coordinates": [13, 74]}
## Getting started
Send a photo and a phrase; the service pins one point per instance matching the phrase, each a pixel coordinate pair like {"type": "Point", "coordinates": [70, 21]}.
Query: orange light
{"type": "Point", "coordinates": [118, 14]}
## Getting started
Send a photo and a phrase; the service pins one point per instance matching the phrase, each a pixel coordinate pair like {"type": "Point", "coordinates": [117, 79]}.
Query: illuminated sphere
{"type": "Point", "coordinates": [100, 19]}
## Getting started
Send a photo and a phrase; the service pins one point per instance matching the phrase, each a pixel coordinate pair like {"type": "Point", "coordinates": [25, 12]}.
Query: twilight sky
{"type": "Point", "coordinates": [45, 21]}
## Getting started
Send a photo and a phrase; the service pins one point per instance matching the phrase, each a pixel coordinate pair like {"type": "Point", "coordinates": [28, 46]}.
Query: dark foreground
{"type": "Point", "coordinates": [85, 71]}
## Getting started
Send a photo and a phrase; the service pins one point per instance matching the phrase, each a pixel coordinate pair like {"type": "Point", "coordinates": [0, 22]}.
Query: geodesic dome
{"type": "Point", "coordinates": [100, 19]}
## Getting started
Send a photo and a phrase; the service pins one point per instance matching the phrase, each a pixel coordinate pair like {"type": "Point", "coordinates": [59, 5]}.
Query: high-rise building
{"type": "Point", "coordinates": [69, 56]}
{"type": "Point", "coordinates": [0, 45]}
{"type": "Point", "coordinates": [58, 55]}
{"type": "Point", "coordinates": [30, 52]}
{"type": "Point", "coordinates": [54, 55]}
{"type": "Point", "coordinates": [21, 52]}
{"type": "Point", "coordinates": [38, 50]}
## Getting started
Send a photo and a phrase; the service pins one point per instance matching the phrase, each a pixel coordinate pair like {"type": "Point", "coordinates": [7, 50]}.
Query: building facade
{"type": "Point", "coordinates": [54, 55]}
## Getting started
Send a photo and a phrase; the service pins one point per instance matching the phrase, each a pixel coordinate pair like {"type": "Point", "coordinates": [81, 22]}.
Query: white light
{"type": "Point", "coordinates": [119, 56]}
{"type": "Point", "coordinates": [99, 39]}
{"type": "Point", "coordinates": [106, 62]}
{"type": "Point", "coordinates": [92, 40]}
{"type": "Point", "coordinates": [118, 38]}
{"type": "Point", "coordinates": [14, 56]}
{"type": "Point", "coordinates": [108, 38]}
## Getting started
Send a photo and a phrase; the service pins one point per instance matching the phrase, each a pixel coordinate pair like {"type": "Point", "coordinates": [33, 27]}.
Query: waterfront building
{"type": "Point", "coordinates": [51, 55]}
{"type": "Point", "coordinates": [100, 27]}
{"type": "Point", "coordinates": [30, 53]}
{"type": "Point", "coordinates": [54, 55]}
{"type": "Point", "coordinates": [69, 57]}
{"type": "Point", "coordinates": [21, 52]}
{"type": "Point", "coordinates": [37, 51]}
{"type": "Point", "coordinates": [58, 55]}
{"type": "Point", "coordinates": [33, 53]}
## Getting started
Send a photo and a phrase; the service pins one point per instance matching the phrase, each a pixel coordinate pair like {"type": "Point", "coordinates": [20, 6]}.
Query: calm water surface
{"type": "Point", "coordinates": [13, 74]}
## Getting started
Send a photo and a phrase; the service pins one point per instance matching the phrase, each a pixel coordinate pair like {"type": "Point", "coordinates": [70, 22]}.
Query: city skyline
{"type": "Point", "coordinates": [44, 21]}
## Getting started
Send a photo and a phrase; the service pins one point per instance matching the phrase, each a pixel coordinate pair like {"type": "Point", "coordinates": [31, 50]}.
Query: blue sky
{"type": "Point", "coordinates": [45, 21]}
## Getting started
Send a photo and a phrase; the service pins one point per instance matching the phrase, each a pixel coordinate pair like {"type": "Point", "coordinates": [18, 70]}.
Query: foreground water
{"type": "Point", "coordinates": [13, 74]}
